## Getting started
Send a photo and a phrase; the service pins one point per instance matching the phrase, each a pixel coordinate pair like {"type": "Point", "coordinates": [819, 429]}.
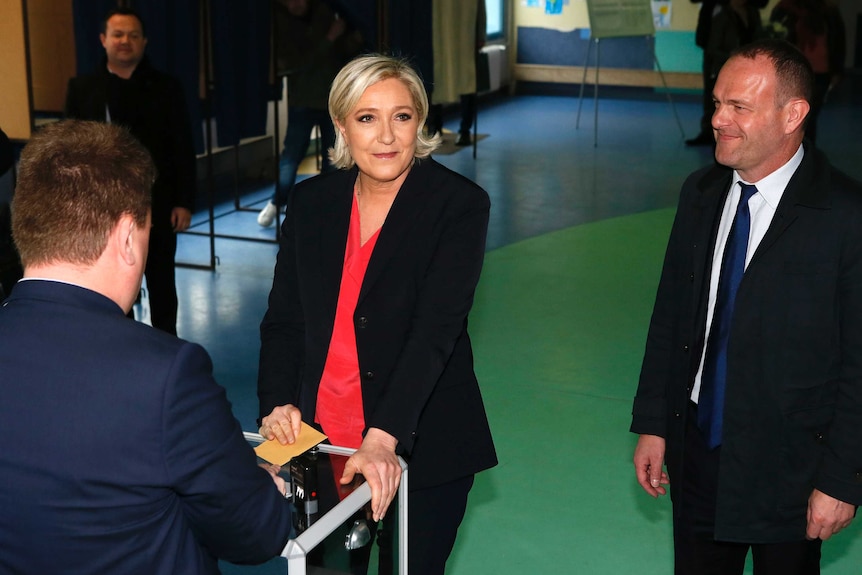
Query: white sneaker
{"type": "Point", "coordinates": [267, 215]}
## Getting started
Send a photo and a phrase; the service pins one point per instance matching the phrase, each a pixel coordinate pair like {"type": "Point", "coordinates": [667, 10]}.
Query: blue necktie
{"type": "Point", "coordinates": [710, 404]}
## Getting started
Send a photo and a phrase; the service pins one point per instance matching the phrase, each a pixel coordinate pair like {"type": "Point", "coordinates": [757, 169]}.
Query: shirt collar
{"type": "Point", "coordinates": [772, 187]}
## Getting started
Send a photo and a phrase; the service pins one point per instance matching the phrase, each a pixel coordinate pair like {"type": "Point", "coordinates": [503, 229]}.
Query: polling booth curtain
{"type": "Point", "coordinates": [454, 49]}
{"type": "Point", "coordinates": [409, 36]}
{"type": "Point", "coordinates": [173, 43]}
{"type": "Point", "coordinates": [87, 16]}
{"type": "Point", "coordinates": [241, 67]}
{"type": "Point", "coordinates": [173, 46]}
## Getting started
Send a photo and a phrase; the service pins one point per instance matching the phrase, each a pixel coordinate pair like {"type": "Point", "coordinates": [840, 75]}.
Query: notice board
{"type": "Point", "coordinates": [620, 18]}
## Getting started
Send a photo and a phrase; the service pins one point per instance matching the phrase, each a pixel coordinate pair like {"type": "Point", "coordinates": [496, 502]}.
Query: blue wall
{"type": "Point", "coordinates": [675, 51]}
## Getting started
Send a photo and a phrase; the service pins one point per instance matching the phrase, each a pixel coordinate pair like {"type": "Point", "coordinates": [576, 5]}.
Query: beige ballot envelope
{"type": "Point", "coordinates": [278, 454]}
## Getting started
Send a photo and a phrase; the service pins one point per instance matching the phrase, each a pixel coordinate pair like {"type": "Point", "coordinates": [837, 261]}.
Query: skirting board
{"type": "Point", "coordinates": [607, 76]}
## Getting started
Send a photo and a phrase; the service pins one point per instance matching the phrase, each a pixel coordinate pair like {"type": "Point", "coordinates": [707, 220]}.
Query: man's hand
{"type": "Point", "coordinates": [181, 219]}
{"type": "Point", "coordinates": [283, 424]}
{"type": "Point", "coordinates": [279, 481]}
{"type": "Point", "coordinates": [827, 515]}
{"type": "Point", "coordinates": [376, 460]}
{"type": "Point", "coordinates": [649, 458]}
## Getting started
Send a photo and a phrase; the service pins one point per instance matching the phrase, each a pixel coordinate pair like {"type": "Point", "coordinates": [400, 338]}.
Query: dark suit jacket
{"type": "Point", "coordinates": [159, 119]}
{"type": "Point", "coordinates": [119, 453]}
{"type": "Point", "coordinates": [793, 406]}
{"type": "Point", "coordinates": [415, 356]}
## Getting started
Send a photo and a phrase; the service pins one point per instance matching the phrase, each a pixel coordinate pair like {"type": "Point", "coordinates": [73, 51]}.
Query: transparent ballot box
{"type": "Point", "coordinates": [333, 533]}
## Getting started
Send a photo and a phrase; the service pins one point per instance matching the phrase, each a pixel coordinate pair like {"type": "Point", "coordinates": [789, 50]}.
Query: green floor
{"type": "Point", "coordinates": [576, 241]}
{"type": "Point", "coordinates": [559, 328]}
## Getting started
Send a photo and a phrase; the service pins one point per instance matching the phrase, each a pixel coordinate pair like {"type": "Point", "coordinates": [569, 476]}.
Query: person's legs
{"type": "Point", "coordinates": [704, 136]}
{"type": "Point", "coordinates": [434, 516]}
{"type": "Point", "coordinates": [468, 113]}
{"type": "Point", "coordinates": [300, 121]}
{"type": "Point", "coordinates": [821, 87]}
{"type": "Point", "coordinates": [696, 552]}
{"type": "Point", "coordinates": [434, 122]}
{"type": "Point", "coordinates": [699, 554]}
{"type": "Point", "coordinates": [793, 558]}
{"type": "Point", "coordinates": [161, 279]}
{"type": "Point", "coordinates": [327, 139]}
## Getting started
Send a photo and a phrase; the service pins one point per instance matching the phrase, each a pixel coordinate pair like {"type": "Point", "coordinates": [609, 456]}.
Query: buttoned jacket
{"type": "Point", "coordinates": [793, 405]}
{"type": "Point", "coordinates": [415, 355]}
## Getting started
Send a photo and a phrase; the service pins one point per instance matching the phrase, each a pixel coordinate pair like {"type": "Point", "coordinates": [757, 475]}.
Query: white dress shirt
{"type": "Point", "coordinates": [761, 206]}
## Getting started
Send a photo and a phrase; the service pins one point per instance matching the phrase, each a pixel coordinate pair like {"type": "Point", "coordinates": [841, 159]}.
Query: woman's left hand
{"type": "Point", "coordinates": [376, 461]}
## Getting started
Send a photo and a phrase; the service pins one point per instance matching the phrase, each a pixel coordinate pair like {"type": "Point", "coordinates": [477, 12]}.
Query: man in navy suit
{"type": "Point", "coordinates": [119, 452]}
{"type": "Point", "coordinates": [751, 386]}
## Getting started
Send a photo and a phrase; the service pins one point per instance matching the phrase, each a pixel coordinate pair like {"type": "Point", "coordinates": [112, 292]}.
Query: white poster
{"type": "Point", "coordinates": [661, 13]}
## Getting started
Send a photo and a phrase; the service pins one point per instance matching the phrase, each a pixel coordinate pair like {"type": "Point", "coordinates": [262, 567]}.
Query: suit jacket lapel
{"type": "Point", "coordinates": [805, 190]}
{"type": "Point", "coordinates": [330, 227]}
{"type": "Point", "coordinates": [713, 190]}
{"type": "Point", "coordinates": [405, 209]}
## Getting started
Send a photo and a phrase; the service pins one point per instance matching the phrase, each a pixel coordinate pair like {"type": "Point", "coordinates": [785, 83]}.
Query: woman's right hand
{"type": "Point", "coordinates": [376, 461]}
{"type": "Point", "coordinates": [283, 424]}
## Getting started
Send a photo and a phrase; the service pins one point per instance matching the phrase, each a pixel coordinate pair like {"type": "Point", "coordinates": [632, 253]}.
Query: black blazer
{"type": "Point", "coordinates": [415, 356]}
{"type": "Point", "coordinates": [793, 405]}
{"type": "Point", "coordinates": [159, 120]}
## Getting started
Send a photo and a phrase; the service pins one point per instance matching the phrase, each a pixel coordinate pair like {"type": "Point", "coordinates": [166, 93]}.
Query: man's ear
{"type": "Point", "coordinates": [124, 236]}
{"type": "Point", "coordinates": [797, 111]}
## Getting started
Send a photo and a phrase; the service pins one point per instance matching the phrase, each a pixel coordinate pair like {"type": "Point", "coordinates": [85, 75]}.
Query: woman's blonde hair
{"type": "Point", "coordinates": [349, 86]}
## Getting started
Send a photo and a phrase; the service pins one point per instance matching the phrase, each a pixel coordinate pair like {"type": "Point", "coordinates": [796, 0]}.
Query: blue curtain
{"type": "Point", "coordinates": [173, 46]}
{"type": "Point", "coordinates": [241, 67]}
{"type": "Point", "coordinates": [87, 16]}
{"type": "Point", "coordinates": [410, 36]}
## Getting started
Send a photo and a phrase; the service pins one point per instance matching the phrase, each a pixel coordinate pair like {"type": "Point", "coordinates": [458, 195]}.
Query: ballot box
{"type": "Point", "coordinates": [332, 533]}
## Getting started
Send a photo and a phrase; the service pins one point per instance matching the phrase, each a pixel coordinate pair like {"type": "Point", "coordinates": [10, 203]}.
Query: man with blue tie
{"type": "Point", "coordinates": [751, 386]}
{"type": "Point", "coordinates": [119, 452]}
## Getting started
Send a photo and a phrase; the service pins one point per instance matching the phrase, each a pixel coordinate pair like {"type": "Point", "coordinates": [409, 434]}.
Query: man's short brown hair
{"type": "Point", "coordinates": [792, 69]}
{"type": "Point", "coordinates": [75, 180]}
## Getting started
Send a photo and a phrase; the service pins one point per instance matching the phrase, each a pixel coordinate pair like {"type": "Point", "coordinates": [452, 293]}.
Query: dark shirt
{"type": "Point", "coordinates": [152, 106]}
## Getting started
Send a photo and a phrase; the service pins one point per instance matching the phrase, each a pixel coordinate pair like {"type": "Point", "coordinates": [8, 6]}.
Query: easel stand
{"type": "Point", "coordinates": [596, 89]}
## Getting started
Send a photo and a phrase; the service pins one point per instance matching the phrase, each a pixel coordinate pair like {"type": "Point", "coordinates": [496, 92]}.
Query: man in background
{"type": "Point", "coordinates": [128, 91]}
{"type": "Point", "coordinates": [119, 452]}
{"type": "Point", "coordinates": [751, 385]}
{"type": "Point", "coordinates": [313, 43]}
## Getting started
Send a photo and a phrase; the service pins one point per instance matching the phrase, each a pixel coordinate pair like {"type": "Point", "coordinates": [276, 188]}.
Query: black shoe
{"type": "Point", "coordinates": [463, 139]}
{"type": "Point", "coordinates": [702, 139]}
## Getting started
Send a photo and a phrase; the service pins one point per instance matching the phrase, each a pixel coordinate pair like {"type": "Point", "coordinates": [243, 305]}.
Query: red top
{"type": "Point", "coordinates": [339, 397]}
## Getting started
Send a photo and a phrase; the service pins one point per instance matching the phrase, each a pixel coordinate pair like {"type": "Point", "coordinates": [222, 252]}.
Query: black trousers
{"type": "Point", "coordinates": [696, 552]}
{"type": "Point", "coordinates": [434, 515]}
{"type": "Point", "coordinates": [161, 279]}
